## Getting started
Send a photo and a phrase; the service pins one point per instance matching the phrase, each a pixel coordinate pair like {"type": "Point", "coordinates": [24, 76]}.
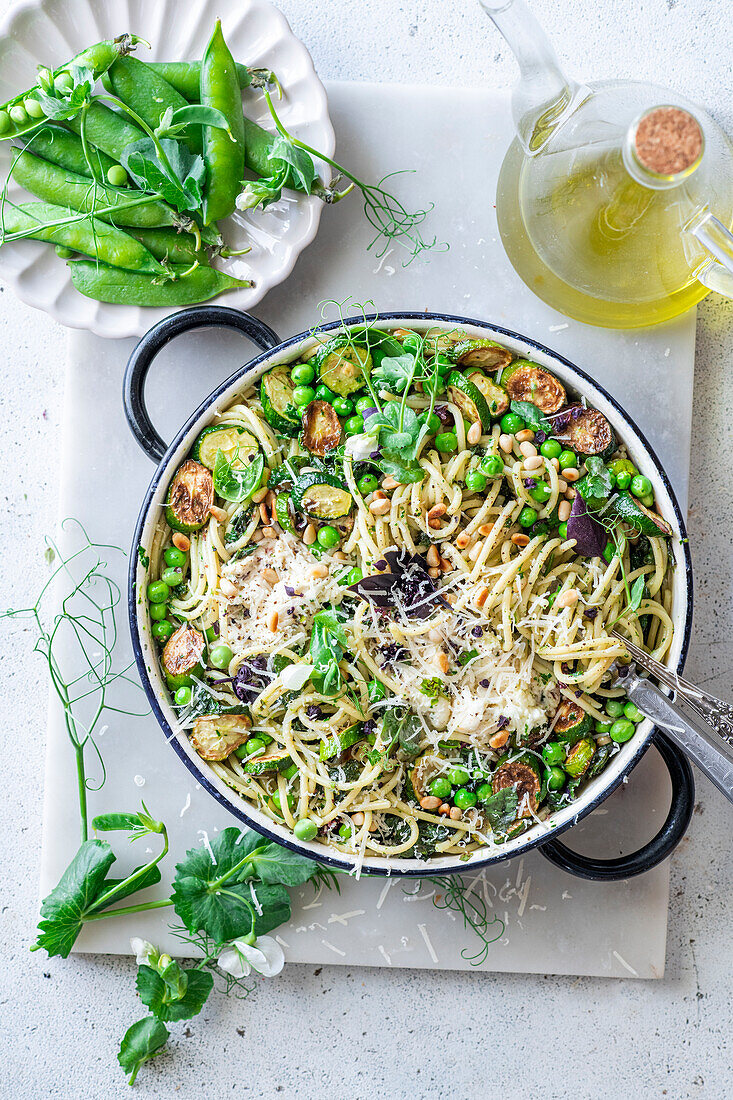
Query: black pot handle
{"type": "Point", "coordinates": [662, 845]}
{"type": "Point", "coordinates": [141, 360]}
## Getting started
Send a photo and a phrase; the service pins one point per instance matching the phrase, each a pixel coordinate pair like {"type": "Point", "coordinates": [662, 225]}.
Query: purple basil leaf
{"type": "Point", "coordinates": [590, 536]}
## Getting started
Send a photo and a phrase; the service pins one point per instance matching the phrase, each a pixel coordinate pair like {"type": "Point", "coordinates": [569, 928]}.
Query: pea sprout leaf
{"type": "Point", "coordinates": [596, 487]}
{"type": "Point", "coordinates": [179, 181]}
{"type": "Point", "coordinates": [233, 483]}
{"type": "Point", "coordinates": [395, 372]}
{"type": "Point", "coordinates": [274, 864]}
{"type": "Point", "coordinates": [175, 996]}
{"type": "Point", "coordinates": [637, 594]}
{"type": "Point", "coordinates": [532, 416]}
{"type": "Point", "coordinates": [406, 471]}
{"type": "Point", "coordinates": [141, 1042]}
{"type": "Point", "coordinates": [301, 166]}
{"type": "Point", "coordinates": [328, 644]}
{"type": "Point", "coordinates": [173, 122]}
{"type": "Point", "coordinates": [64, 909]}
{"type": "Point", "coordinates": [63, 103]}
{"type": "Point", "coordinates": [400, 430]}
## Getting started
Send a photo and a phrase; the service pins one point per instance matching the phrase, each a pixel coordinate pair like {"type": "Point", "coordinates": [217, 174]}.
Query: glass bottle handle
{"type": "Point", "coordinates": [716, 272]}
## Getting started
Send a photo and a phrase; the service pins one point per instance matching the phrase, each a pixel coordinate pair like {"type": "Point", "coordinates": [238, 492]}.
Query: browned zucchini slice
{"type": "Point", "coordinates": [579, 758]}
{"type": "Point", "coordinates": [588, 433]}
{"type": "Point", "coordinates": [342, 364]}
{"type": "Point", "coordinates": [321, 428]}
{"type": "Point", "coordinates": [527, 381]}
{"type": "Point", "coordinates": [190, 496]}
{"type": "Point", "coordinates": [480, 353]}
{"type": "Point", "coordinates": [515, 773]}
{"type": "Point", "coordinates": [216, 736]}
{"type": "Point", "coordinates": [495, 396]}
{"type": "Point", "coordinates": [571, 723]}
{"type": "Point", "coordinates": [181, 657]}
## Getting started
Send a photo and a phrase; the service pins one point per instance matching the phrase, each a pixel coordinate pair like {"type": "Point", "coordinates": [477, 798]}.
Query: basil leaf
{"type": "Point", "coordinates": [532, 416]}
{"type": "Point", "coordinates": [235, 484]}
{"type": "Point", "coordinates": [500, 809]}
{"type": "Point", "coordinates": [141, 1042]}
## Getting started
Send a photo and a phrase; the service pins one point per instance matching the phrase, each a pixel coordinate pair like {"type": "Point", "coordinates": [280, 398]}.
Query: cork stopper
{"type": "Point", "coordinates": [668, 141]}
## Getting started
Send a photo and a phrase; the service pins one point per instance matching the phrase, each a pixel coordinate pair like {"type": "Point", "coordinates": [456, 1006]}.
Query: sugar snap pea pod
{"type": "Point", "coordinates": [258, 144]}
{"type": "Point", "coordinates": [62, 147]}
{"type": "Point", "coordinates": [107, 130]}
{"type": "Point", "coordinates": [149, 95]}
{"type": "Point", "coordinates": [91, 236]}
{"type": "Point", "coordinates": [14, 119]}
{"type": "Point", "coordinates": [185, 76]}
{"type": "Point", "coordinates": [64, 188]}
{"type": "Point", "coordinates": [109, 284]}
{"type": "Point", "coordinates": [168, 244]}
{"type": "Point", "coordinates": [223, 152]}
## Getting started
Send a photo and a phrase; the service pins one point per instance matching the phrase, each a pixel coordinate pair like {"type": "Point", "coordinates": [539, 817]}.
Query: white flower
{"type": "Point", "coordinates": [142, 950]}
{"type": "Point", "coordinates": [360, 446]}
{"type": "Point", "coordinates": [294, 677]}
{"type": "Point", "coordinates": [240, 958]}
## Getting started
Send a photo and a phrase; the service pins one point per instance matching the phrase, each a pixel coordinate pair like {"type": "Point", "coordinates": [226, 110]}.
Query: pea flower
{"type": "Point", "coordinates": [144, 952]}
{"type": "Point", "coordinates": [265, 956]}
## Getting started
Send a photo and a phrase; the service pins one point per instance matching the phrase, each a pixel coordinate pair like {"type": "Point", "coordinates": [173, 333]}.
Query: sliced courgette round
{"type": "Point", "coordinates": [216, 736]}
{"type": "Point", "coordinates": [282, 512]}
{"type": "Point", "coordinates": [469, 399]}
{"type": "Point", "coordinates": [572, 723]}
{"type": "Point", "coordinates": [523, 774]}
{"type": "Point", "coordinates": [340, 742]}
{"type": "Point", "coordinates": [527, 381]}
{"type": "Point", "coordinates": [287, 473]}
{"type": "Point", "coordinates": [495, 396]}
{"type": "Point", "coordinates": [589, 433]}
{"type": "Point", "coordinates": [322, 496]}
{"type": "Point", "coordinates": [276, 396]}
{"type": "Point", "coordinates": [480, 353]}
{"type": "Point", "coordinates": [632, 511]}
{"type": "Point", "coordinates": [181, 656]}
{"type": "Point", "coordinates": [579, 758]}
{"type": "Point", "coordinates": [341, 365]}
{"type": "Point", "coordinates": [272, 762]}
{"type": "Point", "coordinates": [321, 428]}
{"type": "Point", "coordinates": [238, 445]}
{"type": "Point", "coordinates": [190, 497]}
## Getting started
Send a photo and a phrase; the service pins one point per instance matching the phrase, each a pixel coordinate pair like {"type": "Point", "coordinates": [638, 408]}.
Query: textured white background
{"type": "Point", "coordinates": [352, 1034]}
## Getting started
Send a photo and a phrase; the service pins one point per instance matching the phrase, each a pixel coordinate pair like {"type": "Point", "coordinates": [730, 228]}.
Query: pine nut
{"type": "Point", "coordinates": [525, 436]}
{"type": "Point", "coordinates": [499, 739]}
{"type": "Point", "coordinates": [264, 513]}
{"type": "Point", "coordinates": [444, 809]}
{"type": "Point", "coordinates": [520, 540]}
{"type": "Point", "coordinates": [436, 511]}
{"type": "Point", "coordinates": [256, 536]}
{"type": "Point", "coordinates": [227, 588]}
{"type": "Point", "coordinates": [434, 572]}
{"type": "Point", "coordinates": [451, 599]}
{"type": "Point", "coordinates": [455, 813]}
{"type": "Point", "coordinates": [181, 542]}
{"type": "Point", "coordinates": [434, 524]}
{"type": "Point", "coordinates": [269, 532]}
{"type": "Point", "coordinates": [534, 462]}
{"type": "Point", "coordinates": [571, 474]}
{"type": "Point", "coordinates": [570, 493]}
{"type": "Point", "coordinates": [218, 513]}
{"type": "Point", "coordinates": [319, 571]}
{"type": "Point", "coordinates": [433, 557]}
{"type": "Point", "coordinates": [475, 551]}
{"type": "Point", "coordinates": [528, 450]}
{"type": "Point", "coordinates": [339, 555]}
{"type": "Point", "coordinates": [443, 663]}
{"type": "Point", "coordinates": [379, 507]}
{"type": "Point", "coordinates": [310, 534]}
{"type": "Point", "coordinates": [506, 442]}
{"type": "Point", "coordinates": [430, 803]}
{"type": "Point", "coordinates": [358, 818]}
{"type": "Point", "coordinates": [562, 485]}
{"type": "Point", "coordinates": [564, 509]}
{"type": "Point", "coordinates": [463, 540]}
{"type": "Point", "coordinates": [446, 565]}
{"type": "Point", "coordinates": [260, 495]}
{"type": "Point", "coordinates": [555, 462]}
{"type": "Point", "coordinates": [270, 576]}
{"type": "Point", "coordinates": [568, 598]}
{"type": "Point", "coordinates": [389, 483]}
{"type": "Point", "coordinates": [485, 529]}
{"type": "Point", "coordinates": [270, 498]}
{"type": "Point", "coordinates": [273, 621]}
{"type": "Point", "coordinates": [482, 597]}
{"type": "Point", "coordinates": [379, 495]}
{"type": "Point", "coordinates": [474, 433]}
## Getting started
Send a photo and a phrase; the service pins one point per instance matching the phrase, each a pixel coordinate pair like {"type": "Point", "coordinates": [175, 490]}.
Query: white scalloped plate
{"type": "Point", "coordinates": [48, 32]}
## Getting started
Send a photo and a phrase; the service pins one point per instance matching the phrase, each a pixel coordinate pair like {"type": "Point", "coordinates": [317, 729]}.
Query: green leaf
{"type": "Point", "coordinates": [274, 864]}
{"type": "Point", "coordinates": [597, 486]}
{"type": "Point", "coordinates": [500, 809]}
{"type": "Point", "coordinates": [236, 484]}
{"type": "Point", "coordinates": [434, 688]}
{"type": "Point", "coordinates": [328, 644]}
{"type": "Point", "coordinates": [63, 104]}
{"type": "Point", "coordinates": [157, 993]}
{"type": "Point", "coordinates": [405, 471]}
{"type": "Point", "coordinates": [150, 878]}
{"type": "Point", "coordinates": [532, 416]}
{"type": "Point", "coordinates": [637, 593]}
{"type": "Point", "coordinates": [64, 909]}
{"type": "Point", "coordinates": [395, 372]}
{"type": "Point", "coordinates": [179, 182]}
{"type": "Point", "coordinates": [300, 163]}
{"type": "Point", "coordinates": [203, 702]}
{"type": "Point", "coordinates": [141, 1042]}
{"type": "Point", "coordinates": [193, 114]}
{"type": "Point", "coordinates": [466, 656]}
{"type": "Point", "coordinates": [274, 901]}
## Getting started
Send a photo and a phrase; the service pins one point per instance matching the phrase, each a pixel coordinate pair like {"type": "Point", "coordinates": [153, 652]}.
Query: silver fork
{"type": "Point", "coordinates": [700, 724]}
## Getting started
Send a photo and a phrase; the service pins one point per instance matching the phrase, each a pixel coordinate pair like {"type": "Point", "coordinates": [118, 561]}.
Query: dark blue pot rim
{"type": "Point", "coordinates": [393, 870]}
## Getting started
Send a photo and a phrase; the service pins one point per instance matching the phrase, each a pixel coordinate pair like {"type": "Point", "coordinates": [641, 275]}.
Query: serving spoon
{"type": "Point", "coordinates": [698, 723]}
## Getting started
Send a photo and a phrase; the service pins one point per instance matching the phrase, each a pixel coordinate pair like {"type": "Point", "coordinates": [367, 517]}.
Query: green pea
{"type": "Point", "coordinates": [511, 423]}
{"type": "Point", "coordinates": [18, 115]}
{"type": "Point", "coordinates": [303, 395]}
{"type": "Point", "coordinates": [562, 530]}
{"type": "Point", "coordinates": [345, 832]}
{"type": "Point", "coordinates": [555, 778]}
{"type": "Point", "coordinates": [603, 727]}
{"type": "Point", "coordinates": [527, 517]}
{"type": "Point", "coordinates": [253, 745]}
{"type": "Point", "coordinates": [567, 459]}
{"type": "Point", "coordinates": [354, 575]}
{"type": "Point", "coordinates": [476, 481]}
{"type": "Point", "coordinates": [45, 79]}
{"type": "Point", "coordinates": [158, 611]}
{"type": "Point", "coordinates": [443, 363]}
{"type": "Point", "coordinates": [158, 592]}
{"type": "Point", "coordinates": [277, 804]}
{"type": "Point", "coordinates": [458, 777]}
{"type": "Point", "coordinates": [640, 486]}
{"type": "Point", "coordinates": [343, 406]}
{"type": "Point", "coordinates": [328, 537]}
{"type": "Point", "coordinates": [364, 403]}
{"type": "Point", "coordinates": [541, 492]}
{"type": "Point", "coordinates": [633, 713]}
{"type": "Point", "coordinates": [412, 342]}
{"type": "Point", "coordinates": [354, 425]}
{"type": "Point", "coordinates": [116, 175]}
{"type": "Point", "coordinates": [434, 423]}
{"type": "Point", "coordinates": [492, 466]}
{"type": "Point", "coordinates": [34, 108]}
{"type": "Point", "coordinates": [367, 484]}
{"type": "Point", "coordinates": [623, 480]}
{"type": "Point", "coordinates": [484, 792]}
{"type": "Point", "coordinates": [162, 630]}
{"type": "Point", "coordinates": [172, 576]}
{"type": "Point", "coordinates": [302, 374]}
{"type": "Point", "coordinates": [376, 691]}
{"type": "Point", "coordinates": [553, 753]}
{"type": "Point", "coordinates": [614, 708]}
{"type": "Point", "coordinates": [220, 656]}
{"type": "Point", "coordinates": [551, 449]}
{"type": "Point", "coordinates": [305, 829]}
{"type": "Point", "coordinates": [63, 252]}
{"type": "Point", "coordinates": [440, 787]}
{"type": "Point", "coordinates": [622, 730]}
{"type": "Point", "coordinates": [4, 122]}
{"type": "Point", "coordinates": [609, 552]}
{"type": "Point", "coordinates": [183, 697]}
{"type": "Point", "coordinates": [323, 393]}
{"type": "Point", "coordinates": [64, 82]}
{"type": "Point", "coordinates": [446, 441]}
{"type": "Point", "coordinates": [212, 635]}
{"type": "Point", "coordinates": [647, 500]}
{"type": "Point", "coordinates": [174, 557]}
{"type": "Point", "coordinates": [464, 799]}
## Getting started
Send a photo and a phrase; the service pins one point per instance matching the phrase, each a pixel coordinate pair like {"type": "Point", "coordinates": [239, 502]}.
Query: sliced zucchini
{"type": "Point", "coordinates": [190, 497]}
{"type": "Point", "coordinates": [282, 512]}
{"type": "Point", "coordinates": [528, 381]}
{"type": "Point", "coordinates": [480, 353]}
{"type": "Point", "coordinates": [322, 496]}
{"type": "Point", "coordinates": [287, 474]}
{"type": "Point", "coordinates": [276, 396]}
{"type": "Point", "coordinates": [342, 364]}
{"type": "Point", "coordinates": [469, 399]}
{"type": "Point", "coordinates": [572, 723]}
{"type": "Point", "coordinates": [589, 433]}
{"type": "Point", "coordinates": [216, 736]}
{"type": "Point", "coordinates": [237, 444]}
{"type": "Point", "coordinates": [321, 428]}
{"type": "Point", "coordinates": [181, 656]}
{"type": "Point", "coordinates": [523, 774]}
{"type": "Point", "coordinates": [271, 762]}
{"type": "Point", "coordinates": [600, 758]}
{"type": "Point", "coordinates": [579, 758]}
{"type": "Point", "coordinates": [641, 518]}
{"type": "Point", "coordinates": [495, 396]}
{"type": "Point", "coordinates": [341, 741]}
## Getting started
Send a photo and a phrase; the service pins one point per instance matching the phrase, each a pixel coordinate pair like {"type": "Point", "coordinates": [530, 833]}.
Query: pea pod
{"type": "Point", "coordinates": [258, 144]}
{"type": "Point", "coordinates": [64, 188]}
{"type": "Point", "coordinates": [107, 130]}
{"type": "Point", "coordinates": [169, 244]}
{"type": "Point", "coordinates": [91, 236]}
{"type": "Point", "coordinates": [185, 76]}
{"type": "Point", "coordinates": [98, 58]}
{"type": "Point", "coordinates": [223, 152]}
{"type": "Point", "coordinates": [62, 147]}
{"type": "Point", "coordinates": [132, 288]}
{"type": "Point", "coordinates": [138, 85]}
